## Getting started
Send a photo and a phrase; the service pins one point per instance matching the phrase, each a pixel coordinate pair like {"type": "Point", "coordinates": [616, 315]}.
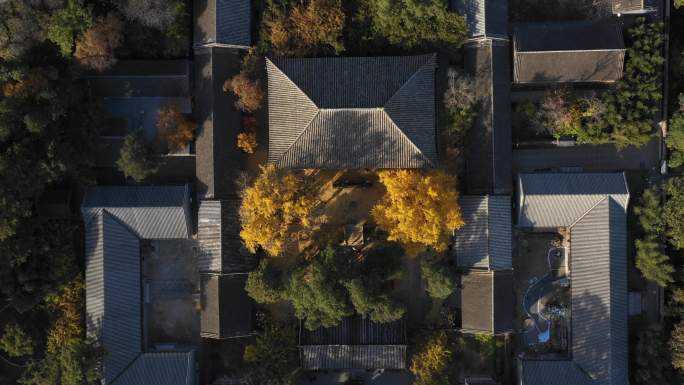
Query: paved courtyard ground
{"type": "Point", "coordinates": [171, 293]}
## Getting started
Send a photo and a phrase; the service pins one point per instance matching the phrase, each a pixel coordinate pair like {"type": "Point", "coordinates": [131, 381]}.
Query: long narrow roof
{"type": "Point", "coordinates": [564, 52]}
{"type": "Point", "coordinates": [356, 343]}
{"type": "Point", "coordinates": [489, 153]}
{"type": "Point", "coordinates": [485, 240]}
{"type": "Point", "coordinates": [136, 78]}
{"type": "Point", "coordinates": [220, 245]}
{"type": "Point", "coordinates": [634, 6]}
{"type": "Point", "coordinates": [594, 207]}
{"type": "Point", "coordinates": [116, 218]}
{"type": "Point", "coordinates": [218, 158]}
{"type": "Point", "coordinates": [352, 112]}
{"type": "Point", "coordinates": [150, 212]}
{"type": "Point", "coordinates": [550, 200]}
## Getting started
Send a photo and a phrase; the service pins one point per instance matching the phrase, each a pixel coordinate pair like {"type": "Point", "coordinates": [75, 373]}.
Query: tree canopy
{"type": "Point", "coordinates": [419, 208]}
{"type": "Point", "coordinates": [430, 363]}
{"type": "Point", "coordinates": [673, 211]}
{"type": "Point", "coordinates": [135, 158]}
{"type": "Point", "coordinates": [675, 136]}
{"type": "Point", "coordinates": [438, 277]}
{"type": "Point", "coordinates": [16, 342]}
{"type": "Point", "coordinates": [270, 206]}
{"type": "Point", "coordinates": [273, 358]}
{"type": "Point", "coordinates": [411, 23]}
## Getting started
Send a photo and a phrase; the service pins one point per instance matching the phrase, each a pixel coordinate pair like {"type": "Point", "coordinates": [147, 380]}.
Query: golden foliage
{"type": "Point", "coordinates": [247, 141]}
{"type": "Point", "coordinates": [67, 327]}
{"type": "Point", "coordinates": [419, 208]}
{"type": "Point", "coordinates": [310, 29]}
{"type": "Point", "coordinates": [429, 364]}
{"type": "Point", "coordinates": [274, 203]}
{"type": "Point", "coordinates": [249, 93]}
{"type": "Point", "coordinates": [677, 345]}
{"type": "Point", "coordinates": [33, 83]}
{"type": "Point", "coordinates": [174, 127]}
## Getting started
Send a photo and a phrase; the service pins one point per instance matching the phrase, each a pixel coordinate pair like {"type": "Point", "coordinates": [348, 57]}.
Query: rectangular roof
{"type": "Point", "coordinates": [337, 357]}
{"type": "Point", "coordinates": [221, 248]}
{"type": "Point", "coordinates": [485, 240]}
{"type": "Point", "coordinates": [227, 310]}
{"type": "Point", "coordinates": [487, 301]}
{"type": "Point", "coordinates": [150, 212]}
{"type": "Point", "coordinates": [558, 52]}
{"type": "Point", "coordinates": [219, 160]}
{"type": "Point", "coordinates": [223, 22]}
{"type": "Point", "coordinates": [488, 157]}
{"type": "Point", "coordinates": [161, 368]}
{"type": "Point", "coordinates": [130, 78]}
{"type": "Point", "coordinates": [550, 200]}
{"type": "Point", "coordinates": [352, 112]}
{"type": "Point", "coordinates": [485, 18]}
{"type": "Point", "coordinates": [356, 343]}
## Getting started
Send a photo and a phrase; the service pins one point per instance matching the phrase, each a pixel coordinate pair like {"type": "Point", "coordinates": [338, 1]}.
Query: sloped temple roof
{"type": "Point", "coordinates": [353, 112]}
{"type": "Point", "coordinates": [567, 52]}
{"type": "Point", "coordinates": [594, 208]}
{"type": "Point", "coordinates": [484, 241]}
{"type": "Point", "coordinates": [116, 219]}
{"type": "Point", "coordinates": [356, 343]}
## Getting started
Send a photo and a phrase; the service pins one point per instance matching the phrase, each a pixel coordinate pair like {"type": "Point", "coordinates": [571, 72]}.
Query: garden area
{"type": "Point", "coordinates": [624, 114]}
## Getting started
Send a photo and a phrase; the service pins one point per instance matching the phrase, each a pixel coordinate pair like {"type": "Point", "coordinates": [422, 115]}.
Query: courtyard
{"type": "Point", "coordinates": [171, 309]}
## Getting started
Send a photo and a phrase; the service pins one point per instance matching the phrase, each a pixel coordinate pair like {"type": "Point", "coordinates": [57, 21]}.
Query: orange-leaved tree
{"type": "Point", "coordinates": [95, 47]}
{"type": "Point", "coordinates": [174, 126]}
{"type": "Point", "coordinates": [247, 141]}
{"type": "Point", "coordinates": [310, 29]}
{"type": "Point", "coordinates": [270, 207]}
{"type": "Point", "coordinates": [420, 208]}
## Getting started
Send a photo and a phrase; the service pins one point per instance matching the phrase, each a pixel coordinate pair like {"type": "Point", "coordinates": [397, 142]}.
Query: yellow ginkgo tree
{"type": "Point", "coordinates": [419, 208]}
{"type": "Point", "coordinates": [274, 203]}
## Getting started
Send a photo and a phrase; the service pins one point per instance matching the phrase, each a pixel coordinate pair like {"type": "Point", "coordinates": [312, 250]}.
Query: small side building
{"type": "Point", "coordinates": [227, 310]}
{"type": "Point", "coordinates": [356, 343]}
{"type": "Point", "coordinates": [482, 248]}
{"type": "Point", "coordinates": [567, 52]}
{"type": "Point", "coordinates": [223, 23]}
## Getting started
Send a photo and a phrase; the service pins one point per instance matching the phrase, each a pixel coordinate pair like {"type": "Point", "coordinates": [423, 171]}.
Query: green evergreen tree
{"type": "Point", "coordinates": [264, 284]}
{"type": "Point", "coordinates": [653, 263]}
{"type": "Point", "coordinates": [273, 358]}
{"type": "Point", "coordinates": [67, 23]}
{"type": "Point", "coordinates": [135, 158]}
{"type": "Point", "coordinates": [673, 212]}
{"type": "Point", "coordinates": [410, 23]}
{"type": "Point", "coordinates": [16, 342]}
{"type": "Point", "coordinates": [675, 136]}
{"type": "Point", "coordinates": [438, 278]}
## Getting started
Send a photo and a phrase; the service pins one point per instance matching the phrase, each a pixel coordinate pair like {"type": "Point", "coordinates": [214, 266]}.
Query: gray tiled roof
{"type": "Point", "coordinates": [223, 22]}
{"type": "Point", "coordinates": [161, 368]}
{"type": "Point", "coordinates": [354, 112]}
{"type": "Point", "coordinates": [485, 18]}
{"type": "Point", "coordinates": [488, 157]}
{"type": "Point", "coordinates": [553, 373]}
{"type": "Point", "coordinates": [112, 271]}
{"type": "Point", "coordinates": [485, 239]}
{"type": "Point", "coordinates": [226, 307]}
{"type": "Point", "coordinates": [136, 78]}
{"type": "Point", "coordinates": [548, 200]}
{"type": "Point", "coordinates": [221, 248]}
{"type": "Point", "coordinates": [325, 357]}
{"type": "Point", "coordinates": [487, 301]}
{"type": "Point", "coordinates": [218, 158]}
{"type": "Point", "coordinates": [559, 52]}
{"type": "Point", "coordinates": [150, 212]}
{"type": "Point", "coordinates": [116, 218]}
{"type": "Point", "coordinates": [356, 343]}
{"type": "Point", "coordinates": [594, 206]}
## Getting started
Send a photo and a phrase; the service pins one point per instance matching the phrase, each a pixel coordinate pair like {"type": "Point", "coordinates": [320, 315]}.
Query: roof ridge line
{"type": "Point", "coordinates": [588, 211]}
{"type": "Point", "coordinates": [413, 75]}
{"type": "Point", "coordinates": [120, 222]}
{"type": "Point", "coordinates": [306, 127]}
{"type": "Point", "coordinates": [384, 107]}
{"type": "Point", "coordinates": [403, 135]}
